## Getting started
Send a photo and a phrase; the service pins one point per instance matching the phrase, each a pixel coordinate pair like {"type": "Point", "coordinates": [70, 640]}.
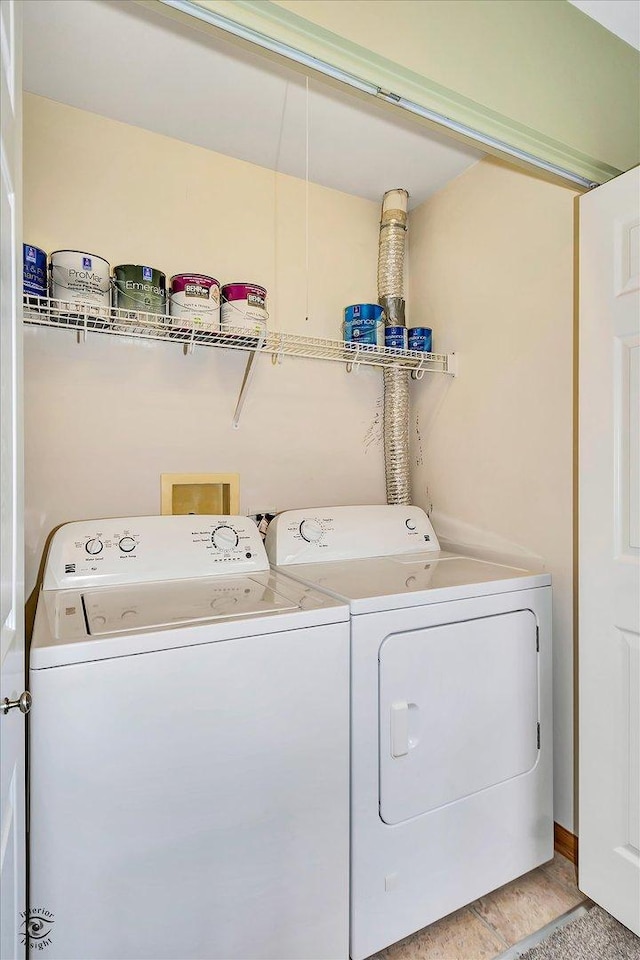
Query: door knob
{"type": "Point", "coordinates": [23, 703]}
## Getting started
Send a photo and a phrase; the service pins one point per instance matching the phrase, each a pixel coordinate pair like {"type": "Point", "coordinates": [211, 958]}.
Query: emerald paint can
{"type": "Point", "coordinates": [139, 288]}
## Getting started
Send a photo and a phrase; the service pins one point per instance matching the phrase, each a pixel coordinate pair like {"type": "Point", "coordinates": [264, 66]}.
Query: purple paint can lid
{"type": "Point", "coordinates": [181, 280]}
{"type": "Point", "coordinates": [239, 291]}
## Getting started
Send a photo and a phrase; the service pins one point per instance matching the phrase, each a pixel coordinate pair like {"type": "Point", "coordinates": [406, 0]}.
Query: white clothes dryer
{"type": "Point", "coordinates": [451, 752]}
{"type": "Point", "coordinates": [189, 749]}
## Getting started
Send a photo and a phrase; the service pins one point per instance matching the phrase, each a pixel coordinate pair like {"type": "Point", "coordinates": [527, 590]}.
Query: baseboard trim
{"type": "Point", "coordinates": [565, 842]}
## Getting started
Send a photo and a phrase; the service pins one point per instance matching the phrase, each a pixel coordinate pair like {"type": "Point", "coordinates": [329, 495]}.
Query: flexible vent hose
{"type": "Point", "coordinates": [391, 252]}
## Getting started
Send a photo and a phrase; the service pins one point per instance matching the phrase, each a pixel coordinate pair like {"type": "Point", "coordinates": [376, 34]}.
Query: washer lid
{"type": "Point", "coordinates": [160, 605]}
{"type": "Point", "coordinates": [75, 626]}
{"type": "Point", "coordinates": [389, 583]}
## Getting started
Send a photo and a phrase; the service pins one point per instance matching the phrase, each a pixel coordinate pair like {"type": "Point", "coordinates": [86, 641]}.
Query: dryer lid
{"type": "Point", "coordinates": [389, 583]}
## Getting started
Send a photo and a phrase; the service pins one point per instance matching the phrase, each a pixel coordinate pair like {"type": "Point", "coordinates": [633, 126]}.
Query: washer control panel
{"type": "Point", "coordinates": [142, 549]}
{"type": "Point", "coordinates": [348, 533]}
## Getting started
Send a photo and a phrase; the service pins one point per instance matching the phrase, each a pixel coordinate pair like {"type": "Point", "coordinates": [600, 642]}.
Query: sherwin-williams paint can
{"type": "Point", "coordinates": [420, 338]}
{"type": "Point", "coordinates": [140, 288]}
{"type": "Point", "coordinates": [194, 302]}
{"type": "Point", "coordinates": [34, 271]}
{"type": "Point", "coordinates": [244, 306]}
{"type": "Point", "coordinates": [363, 323]}
{"type": "Point", "coordinates": [395, 337]}
{"type": "Point", "coordinates": [78, 277]}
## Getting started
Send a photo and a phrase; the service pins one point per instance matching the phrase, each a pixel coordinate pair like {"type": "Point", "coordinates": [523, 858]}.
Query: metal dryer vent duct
{"type": "Point", "coordinates": [391, 253]}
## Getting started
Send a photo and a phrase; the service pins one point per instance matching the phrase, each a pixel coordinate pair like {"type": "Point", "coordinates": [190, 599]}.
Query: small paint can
{"type": "Point", "coordinates": [420, 339]}
{"type": "Point", "coordinates": [244, 307]}
{"type": "Point", "coordinates": [78, 277]}
{"type": "Point", "coordinates": [194, 302]}
{"type": "Point", "coordinates": [138, 288]}
{"type": "Point", "coordinates": [395, 337]}
{"type": "Point", "coordinates": [34, 271]}
{"type": "Point", "coordinates": [363, 324]}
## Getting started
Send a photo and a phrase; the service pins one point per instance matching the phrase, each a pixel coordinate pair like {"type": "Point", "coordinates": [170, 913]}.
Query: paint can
{"type": "Point", "coordinates": [138, 288]}
{"type": "Point", "coordinates": [78, 277]}
{"type": "Point", "coordinates": [244, 307]}
{"type": "Point", "coordinates": [194, 302]}
{"type": "Point", "coordinates": [420, 338]}
{"type": "Point", "coordinates": [34, 271]}
{"type": "Point", "coordinates": [395, 337]}
{"type": "Point", "coordinates": [363, 324]}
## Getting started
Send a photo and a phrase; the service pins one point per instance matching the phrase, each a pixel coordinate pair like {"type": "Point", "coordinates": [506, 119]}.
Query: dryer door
{"type": "Point", "coordinates": [458, 711]}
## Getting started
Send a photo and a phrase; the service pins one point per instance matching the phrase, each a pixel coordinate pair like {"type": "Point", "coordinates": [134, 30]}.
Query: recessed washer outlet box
{"type": "Point", "coordinates": [200, 493]}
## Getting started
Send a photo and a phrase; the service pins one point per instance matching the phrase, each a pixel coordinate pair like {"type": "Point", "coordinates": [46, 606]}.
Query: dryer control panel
{"type": "Point", "coordinates": [348, 533]}
{"type": "Point", "coordinates": [143, 549]}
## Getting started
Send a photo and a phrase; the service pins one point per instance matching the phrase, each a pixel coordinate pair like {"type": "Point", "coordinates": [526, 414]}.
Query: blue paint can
{"type": "Point", "coordinates": [363, 323]}
{"type": "Point", "coordinates": [34, 271]}
{"type": "Point", "coordinates": [395, 337]}
{"type": "Point", "coordinates": [420, 339]}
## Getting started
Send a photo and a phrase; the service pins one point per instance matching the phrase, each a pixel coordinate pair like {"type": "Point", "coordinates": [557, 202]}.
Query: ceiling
{"type": "Point", "coordinates": [621, 17]}
{"type": "Point", "coordinates": [122, 61]}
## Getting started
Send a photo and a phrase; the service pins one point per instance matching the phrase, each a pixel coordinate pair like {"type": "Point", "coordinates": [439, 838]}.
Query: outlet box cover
{"type": "Point", "coordinates": [200, 493]}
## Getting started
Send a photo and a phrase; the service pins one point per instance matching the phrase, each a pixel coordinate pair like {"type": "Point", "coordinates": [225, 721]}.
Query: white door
{"type": "Point", "coordinates": [609, 652]}
{"type": "Point", "coordinates": [12, 723]}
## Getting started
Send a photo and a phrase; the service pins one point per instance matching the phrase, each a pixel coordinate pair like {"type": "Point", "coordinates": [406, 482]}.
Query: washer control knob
{"type": "Point", "coordinates": [127, 544]}
{"type": "Point", "coordinates": [410, 524]}
{"type": "Point", "coordinates": [311, 531]}
{"type": "Point", "coordinates": [224, 538]}
{"type": "Point", "coordinates": [94, 546]}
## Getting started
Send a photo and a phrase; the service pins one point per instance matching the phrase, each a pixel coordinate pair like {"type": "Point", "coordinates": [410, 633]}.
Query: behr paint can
{"type": "Point", "coordinates": [81, 278]}
{"type": "Point", "coordinates": [34, 271]}
{"type": "Point", "coordinates": [139, 288]}
{"type": "Point", "coordinates": [420, 338]}
{"type": "Point", "coordinates": [243, 307]}
{"type": "Point", "coordinates": [395, 337]}
{"type": "Point", "coordinates": [194, 302]}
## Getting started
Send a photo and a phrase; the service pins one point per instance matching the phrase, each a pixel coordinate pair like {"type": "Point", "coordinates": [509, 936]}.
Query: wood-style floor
{"type": "Point", "coordinates": [486, 928]}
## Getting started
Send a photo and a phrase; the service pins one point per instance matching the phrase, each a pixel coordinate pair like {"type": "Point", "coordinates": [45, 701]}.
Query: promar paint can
{"type": "Point", "coordinates": [194, 302]}
{"type": "Point", "coordinates": [34, 271]}
{"type": "Point", "coordinates": [139, 288]}
{"type": "Point", "coordinates": [81, 278]}
{"type": "Point", "coordinates": [244, 307]}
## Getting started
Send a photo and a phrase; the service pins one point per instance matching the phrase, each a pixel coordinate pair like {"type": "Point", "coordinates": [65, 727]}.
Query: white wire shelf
{"type": "Point", "coordinates": [150, 326]}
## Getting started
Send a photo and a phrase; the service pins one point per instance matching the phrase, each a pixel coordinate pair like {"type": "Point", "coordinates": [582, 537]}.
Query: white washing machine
{"type": "Point", "coordinates": [451, 753]}
{"type": "Point", "coordinates": [189, 749]}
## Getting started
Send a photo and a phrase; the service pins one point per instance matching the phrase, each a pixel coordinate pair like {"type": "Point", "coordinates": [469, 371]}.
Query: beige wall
{"type": "Point", "coordinates": [103, 419]}
{"type": "Point", "coordinates": [491, 266]}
